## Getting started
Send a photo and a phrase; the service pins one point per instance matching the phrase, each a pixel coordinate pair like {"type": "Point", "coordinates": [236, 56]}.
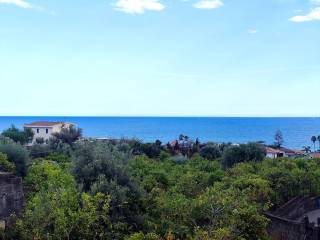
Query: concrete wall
{"type": "Point", "coordinates": [11, 195]}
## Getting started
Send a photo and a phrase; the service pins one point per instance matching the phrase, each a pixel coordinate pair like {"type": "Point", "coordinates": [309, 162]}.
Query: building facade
{"type": "Point", "coordinates": [43, 130]}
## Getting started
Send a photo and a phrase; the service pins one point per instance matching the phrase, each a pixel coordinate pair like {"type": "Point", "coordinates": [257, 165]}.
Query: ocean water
{"type": "Point", "coordinates": [297, 132]}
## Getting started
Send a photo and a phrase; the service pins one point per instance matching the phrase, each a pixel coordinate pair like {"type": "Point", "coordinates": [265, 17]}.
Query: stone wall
{"type": "Point", "coordinates": [283, 229]}
{"type": "Point", "coordinates": [297, 207]}
{"type": "Point", "coordinates": [286, 223]}
{"type": "Point", "coordinates": [11, 195]}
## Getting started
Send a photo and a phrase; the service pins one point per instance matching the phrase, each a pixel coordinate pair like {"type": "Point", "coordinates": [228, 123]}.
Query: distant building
{"type": "Point", "coordinates": [290, 153]}
{"type": "Point", "coordinates": [283, 152]}
{"type": "Point", "coordinates": [44, 130]}
{"type": "Point", "coordinates": [274, 153]}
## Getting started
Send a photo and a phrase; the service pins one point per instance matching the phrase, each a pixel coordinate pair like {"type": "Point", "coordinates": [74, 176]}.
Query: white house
{"type": "Point", "coordinates": [44, 130]}
{"type": "Point", "coordinates": [274, 153]}
{"type": "Point", "coordinates": [283, 152]}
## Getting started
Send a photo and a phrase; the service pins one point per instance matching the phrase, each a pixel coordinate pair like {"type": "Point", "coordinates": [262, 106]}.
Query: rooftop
{"type": "Point", "coordinates": [43, 124]}
{"type": "Point", "coordinates": [273, 151]}
{"type": "Point", "coordinates": [292, 151]}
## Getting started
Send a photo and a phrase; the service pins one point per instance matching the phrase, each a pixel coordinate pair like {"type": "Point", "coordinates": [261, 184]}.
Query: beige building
{"type": "Point", "coordinates": [44, 130]}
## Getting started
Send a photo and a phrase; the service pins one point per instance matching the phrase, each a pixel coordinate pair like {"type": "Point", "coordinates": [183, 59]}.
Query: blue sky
{"type": "Point", "coordinates": [160, 57]}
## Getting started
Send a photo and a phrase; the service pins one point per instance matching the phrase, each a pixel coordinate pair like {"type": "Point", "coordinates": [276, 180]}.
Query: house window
{"type": "Point", "coordinates": [47, 130]}
{"type": "Point", "coordinates": [37, 130]}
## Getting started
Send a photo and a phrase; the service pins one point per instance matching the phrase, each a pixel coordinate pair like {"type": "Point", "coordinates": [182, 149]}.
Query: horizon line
{"type": "Point", "coordinates": [170, 116]}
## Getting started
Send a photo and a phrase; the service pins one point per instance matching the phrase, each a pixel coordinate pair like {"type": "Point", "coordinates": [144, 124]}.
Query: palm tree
{"type": "Point", "coordinates": [314, 139]}
{"type": "Point", "coordinates": [319, 141]}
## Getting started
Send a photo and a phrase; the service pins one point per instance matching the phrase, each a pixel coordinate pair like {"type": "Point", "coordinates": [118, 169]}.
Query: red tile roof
{"type": "Point", "coordinates": [173, 143]}
{"type": "Point", "coordinates": [272, 150]}
{"type": "Point", "coordinates": [43, 124]}
{"type": "Point", "coordinates": [292, 151]}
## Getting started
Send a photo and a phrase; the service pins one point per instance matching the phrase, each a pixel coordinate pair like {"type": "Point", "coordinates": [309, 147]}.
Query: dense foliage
{"type": "Point", "coordinates": [134, 191]}
{"type": "Point", "coordinates": [56, 210]}
{"type": "Point", "coordinates": [20, 136]}
{"type": "Point", "coordinates": [5, 165]}
{"type": "Point", "coordinates": [104, 168]}
{"type": "Point", "coordinates": [16, 154]}
{"type": "Point", "coordinates": [251, 152]}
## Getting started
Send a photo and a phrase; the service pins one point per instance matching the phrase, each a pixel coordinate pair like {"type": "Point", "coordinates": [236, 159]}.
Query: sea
{"type": "Point", "coordinates": [297, 132]}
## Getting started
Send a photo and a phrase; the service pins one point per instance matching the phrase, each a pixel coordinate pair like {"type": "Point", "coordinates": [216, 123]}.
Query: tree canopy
{"type": "Point", "coordinates": [119, 190]}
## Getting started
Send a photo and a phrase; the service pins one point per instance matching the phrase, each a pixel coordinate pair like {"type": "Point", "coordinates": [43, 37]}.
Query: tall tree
{"type": "Point", "coordinates": [17, 135]}
{"type": "Point", "coordinates": [319, 141]}
{"type": "Point", "coordinates": [68, 135]}
{"type": "Point", "coordinates": [278, 137]}
{"type": "Point", "coordinates": [313, 140]}
{"type": "Point", "coordinates": [307, 149]}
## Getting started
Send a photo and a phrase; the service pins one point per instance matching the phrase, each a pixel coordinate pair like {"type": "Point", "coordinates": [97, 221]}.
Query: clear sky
{"type": "Point", "coordinates": [160, 57]}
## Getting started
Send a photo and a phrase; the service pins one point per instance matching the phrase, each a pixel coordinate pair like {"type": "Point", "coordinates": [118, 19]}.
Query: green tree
{"type": "Point", "coordinates": [100, 167]}
{"type": "Point", "coordinates": [251, 152]}
{"type": "Point", "coordinates": [278, 137]}
{"type": "Point", "coordinates": [19, 136]}
{"type": "Point", "coordinates": [5, 165]}
{"type": "Point", "coordinates": [39, 150]}
{"type": "Point", "coordinates": [210, 151]}
{"type": "Point", "coordinates": [40, 140]}
{"type": "Point", "coordinates": [313, 140]}
{"type": "Point", "coordinates": [18, 155]}
{"type": "Point", "coordinates": [68, 135]}
{"type": "Point", "coordinates": [56, 210]}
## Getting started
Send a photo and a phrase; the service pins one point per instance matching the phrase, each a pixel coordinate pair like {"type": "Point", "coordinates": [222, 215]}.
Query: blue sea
{"type": "Point", "coordinates": [296, 131]}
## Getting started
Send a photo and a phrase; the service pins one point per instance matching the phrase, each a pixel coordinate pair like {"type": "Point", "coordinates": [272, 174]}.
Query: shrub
{"type": "Point", "coordinates": [40, 140]}
{"type": "Point", "coordinates": [251, 152]}
{"type": "Point", "coordinates": [57, 210]}
{"type": "Point", "coordinates": [210, 152]}
{"type": "Point", "coordinates": [39, 150]}
{"type": "Point", "coordinates": [100, 167]}
{"type": "Point", "coordinates": [19, 136]}
{"type": "Point", "coordinates": [68, 135]}
{"type": "Point", "coordinates": [5, 165]}
{"type": "Point", "coordinates": [18, 155]}
{"type": "Point", "coordinates": [179, 159]}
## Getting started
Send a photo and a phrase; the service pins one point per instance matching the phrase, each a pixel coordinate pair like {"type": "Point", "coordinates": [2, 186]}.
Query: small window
{"type": "Point", "coordinates": [37, 130]}
{"type": "Point", "coordinates": [47, 130]}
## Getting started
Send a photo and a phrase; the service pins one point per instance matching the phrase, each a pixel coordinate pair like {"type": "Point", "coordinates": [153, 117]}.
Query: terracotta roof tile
{"type": "Point", "coordinates": [43, 124]}
{"type": "Point", "coordinates": [272, 150]}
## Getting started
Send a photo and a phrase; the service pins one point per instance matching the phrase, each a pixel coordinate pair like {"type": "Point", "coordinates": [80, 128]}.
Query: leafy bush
{"type": "Point", "coordinates": [251, 152]}
{"type": "Point", "coordinates": [179, 159]}
{"type": "Point", "coordinates": [142, 236]}
{"type": "Point", "coordinates": [68, 135]}
{"type": "Point", "coordinates": [39, 140]}
{"type": "Point", "coordinates": [100, 167]}
{"type": "Point", "coordinates": [121, 196]}
{"type": "Point", "coordinates": [6, 140]}
{"type": "Point", "coordinates": [5, 165]}
{"type": "Point", "coordinates": [39, 150]}
{"type": "Point", "coordinates": [56, 210]}
{"type": "Point", "coordinates": [210, 151]}
{"type": "Point", "coordinates": [18, 155]}
{"type": "Point", "coordinates": [19, 136]}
